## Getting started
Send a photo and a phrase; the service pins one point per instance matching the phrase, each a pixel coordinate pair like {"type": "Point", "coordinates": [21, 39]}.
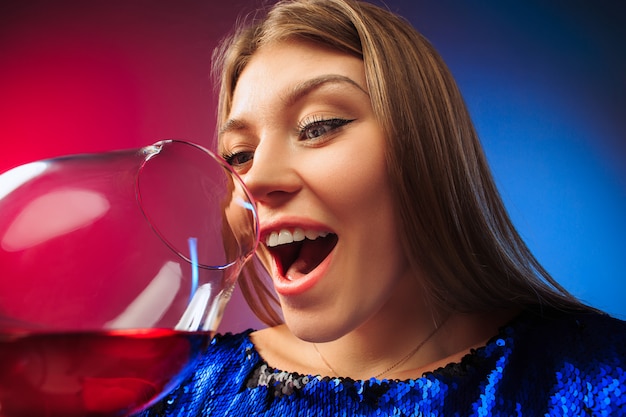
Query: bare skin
{"type": "Point", "coordinates": [304, 138]}
{"type": "Point", "coordinates": [460, 334]}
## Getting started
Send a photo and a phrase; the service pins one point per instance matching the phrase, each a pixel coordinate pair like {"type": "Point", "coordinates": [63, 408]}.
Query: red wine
{"type": "Point", "coordinates": [92, 373]}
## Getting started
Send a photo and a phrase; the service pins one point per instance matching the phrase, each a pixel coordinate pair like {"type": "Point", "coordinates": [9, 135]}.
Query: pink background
{"type": "Point", "coordinates": [92, 76]}
{"type": "Point", "coordinates": [544, 81]}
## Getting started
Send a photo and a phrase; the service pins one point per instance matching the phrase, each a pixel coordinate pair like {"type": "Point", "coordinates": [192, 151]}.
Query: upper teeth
{"type": "Point", "coordinates": [286, 236]}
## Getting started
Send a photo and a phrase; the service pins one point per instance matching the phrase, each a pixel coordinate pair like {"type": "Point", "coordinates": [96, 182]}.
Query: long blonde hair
{"type": "Point", "coordinates": [453, 222]}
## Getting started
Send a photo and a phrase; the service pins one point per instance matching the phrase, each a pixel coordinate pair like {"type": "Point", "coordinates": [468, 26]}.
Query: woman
{"type": "Point", "coordinates": [403, 285]}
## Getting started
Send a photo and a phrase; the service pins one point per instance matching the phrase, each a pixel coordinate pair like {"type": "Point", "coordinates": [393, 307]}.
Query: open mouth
{"type": "Point", "coordinates": [299, 252]}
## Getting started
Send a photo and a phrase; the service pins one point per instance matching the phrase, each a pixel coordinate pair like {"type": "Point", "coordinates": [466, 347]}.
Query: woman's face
{"type": "Point", "coordinates": [303, 136]}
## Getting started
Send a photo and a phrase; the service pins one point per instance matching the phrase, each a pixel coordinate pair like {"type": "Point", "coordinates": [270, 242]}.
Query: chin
{"type": "Point", "coordinates": [314, 327]}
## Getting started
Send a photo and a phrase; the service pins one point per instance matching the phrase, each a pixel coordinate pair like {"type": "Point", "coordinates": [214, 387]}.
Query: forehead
{"type": "Point", "coordinates": [278, 71]}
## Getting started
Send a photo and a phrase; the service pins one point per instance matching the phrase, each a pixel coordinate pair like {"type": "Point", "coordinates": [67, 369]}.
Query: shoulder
{"type": "Point", "coordinates": [583, 335]}
{"type": "Point", "coordinates": [230, 342]}
{"type": "Point", "coordinates": [588, 331]}
{"type": "Point", "coordinates": [601, 329]}
{"type": "Point", "coordinates": [226, 352]}
{"type": "Point", "coordinates": [575, 358]}
{"type": "Point", "coordinates": [570, 347]}
{"type": "Point", "coordinates": [597, 337]}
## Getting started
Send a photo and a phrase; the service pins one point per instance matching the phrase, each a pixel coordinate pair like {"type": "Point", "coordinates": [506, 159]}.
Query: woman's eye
{"type": "Point", "coordinates": [237, 159]}
{"type": "Point", "coordinates": [318, 128]}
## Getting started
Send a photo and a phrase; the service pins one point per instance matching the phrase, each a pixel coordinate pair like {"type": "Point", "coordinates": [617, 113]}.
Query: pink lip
{"type": "Point", "coordinates": [283, 285]}
{"type": "Point", "coordinates": [287, 287]}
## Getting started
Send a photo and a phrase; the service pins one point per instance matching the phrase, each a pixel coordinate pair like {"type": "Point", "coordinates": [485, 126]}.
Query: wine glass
{"type": "Point", "coordinates": [115, 269]}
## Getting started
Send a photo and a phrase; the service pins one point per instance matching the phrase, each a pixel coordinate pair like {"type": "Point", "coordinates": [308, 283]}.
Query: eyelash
{"type": "Point", "coordinates": [231, 157]}
{"type": "Point", "coordinates": [303, 127]}
{"type": "Point", "coordinates": [318, 121]}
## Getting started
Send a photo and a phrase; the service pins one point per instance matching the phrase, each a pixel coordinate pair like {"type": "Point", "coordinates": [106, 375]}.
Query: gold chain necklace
{"type": "Point", "coordinates": [395, 365]}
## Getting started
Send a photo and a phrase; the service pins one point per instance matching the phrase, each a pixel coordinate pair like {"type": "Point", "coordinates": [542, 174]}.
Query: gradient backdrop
{"type": "Point", "coordinates": [544, 80]}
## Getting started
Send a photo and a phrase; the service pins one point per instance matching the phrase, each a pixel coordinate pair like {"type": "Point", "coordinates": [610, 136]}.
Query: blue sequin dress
{"type": "Point", "coordinates": [557, 364]}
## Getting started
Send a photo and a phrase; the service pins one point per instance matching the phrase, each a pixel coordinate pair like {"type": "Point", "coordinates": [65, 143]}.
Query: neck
{"type": "Point", "coordinates": [392, 340]}
{"type": "Point", "coordinates": [455, 337]}
{"type": "Point", "coordinates": [395, 366]}
{"type": "Point", "coordinates": [361, 355]}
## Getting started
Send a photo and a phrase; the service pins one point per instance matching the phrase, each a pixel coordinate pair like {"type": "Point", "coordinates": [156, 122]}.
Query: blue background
{"type": "Point", "coordinates": [545, 82]}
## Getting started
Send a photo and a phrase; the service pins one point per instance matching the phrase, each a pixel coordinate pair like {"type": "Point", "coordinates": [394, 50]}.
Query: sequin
{"type": "Point", "coordinates": [555, 365]}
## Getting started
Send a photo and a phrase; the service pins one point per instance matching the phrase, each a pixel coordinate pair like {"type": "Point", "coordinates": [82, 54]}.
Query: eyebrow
{"type": "Point", "coordinates": [296, 93]}
{"type": "Point", "coordinates": [302, 89]}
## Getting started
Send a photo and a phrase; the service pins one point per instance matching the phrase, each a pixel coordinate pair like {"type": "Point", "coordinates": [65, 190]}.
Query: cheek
{"type": "Point", "coordinates": [364, 191]}
{"type": "Point", "coordinates": [364, 198]}
{"type": "Point", "coordinates": [353, 178]}
{"type": "Point", "coordinates": [354, 187]}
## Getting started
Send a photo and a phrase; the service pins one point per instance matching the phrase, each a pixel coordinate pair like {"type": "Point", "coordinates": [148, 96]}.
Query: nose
{"type": "Point", "coordinates": [272, 178]}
